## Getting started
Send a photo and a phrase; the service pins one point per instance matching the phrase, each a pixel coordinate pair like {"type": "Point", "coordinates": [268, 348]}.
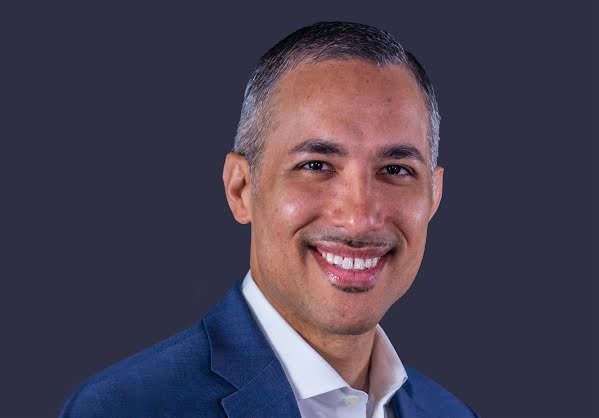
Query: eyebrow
{"type": "Point", "coordinates": [319, 146]}
{"type": "Point", "coordinates": [326, 147]}
{"type": "Point", "coordinates": [401, 151]}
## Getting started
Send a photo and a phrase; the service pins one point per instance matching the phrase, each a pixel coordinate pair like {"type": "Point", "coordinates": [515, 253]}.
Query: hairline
{"type": "Point", "coordinates": [264, 124]}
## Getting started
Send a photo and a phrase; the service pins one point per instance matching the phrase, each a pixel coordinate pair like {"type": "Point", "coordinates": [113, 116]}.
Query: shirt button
{"type": "Point", "coordinates": [351, 400]}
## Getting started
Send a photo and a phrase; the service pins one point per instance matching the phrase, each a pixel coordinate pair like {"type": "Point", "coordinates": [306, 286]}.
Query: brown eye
{"type": "Point", "coordinates": [316, 166]}
{"type": "Point", "coordinates": [396, 170]}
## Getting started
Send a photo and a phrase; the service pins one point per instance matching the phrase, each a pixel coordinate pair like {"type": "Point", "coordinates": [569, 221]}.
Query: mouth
{"type": "Point", "coordinates": [350, 270]}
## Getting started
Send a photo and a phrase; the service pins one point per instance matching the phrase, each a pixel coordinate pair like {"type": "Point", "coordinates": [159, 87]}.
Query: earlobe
{"type": "Point", "coordinates": [236, 179]}
{"type": "Point", "coordinates": [438, 190]}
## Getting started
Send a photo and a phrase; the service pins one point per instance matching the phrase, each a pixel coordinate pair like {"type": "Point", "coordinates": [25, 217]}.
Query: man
{"type": "Point", "coordinates": [334, 166]}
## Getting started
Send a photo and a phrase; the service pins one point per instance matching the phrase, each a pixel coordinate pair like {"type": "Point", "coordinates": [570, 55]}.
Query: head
{"type": "Point", "coordinates": [315, 43]}
{"type": "Point", "coordinates": [334, 166]}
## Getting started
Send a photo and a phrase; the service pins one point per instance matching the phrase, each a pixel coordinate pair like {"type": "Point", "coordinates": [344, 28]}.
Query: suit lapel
{"type": "Point", "coordinates": [404, 406]}
{"type": "Point", "coordinates": [263, 396]}
{"type": "Point", "coordinates": [241, 355]}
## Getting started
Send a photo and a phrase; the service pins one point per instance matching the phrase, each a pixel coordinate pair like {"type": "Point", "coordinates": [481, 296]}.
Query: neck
{"type": "Point", "coordinates": [349, 355]}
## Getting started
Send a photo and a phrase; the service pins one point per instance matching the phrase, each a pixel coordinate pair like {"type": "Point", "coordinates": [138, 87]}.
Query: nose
{"type": "Point", "coordinates": [356, 205]}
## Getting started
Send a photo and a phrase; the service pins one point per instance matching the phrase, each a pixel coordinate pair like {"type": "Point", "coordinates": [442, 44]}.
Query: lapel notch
{"type": "Point", "coordinates": [404, 406]}
{"type": "Point", "coordinates": [241, 355]}
{"type": "Point", "coordinates": [267, 395]}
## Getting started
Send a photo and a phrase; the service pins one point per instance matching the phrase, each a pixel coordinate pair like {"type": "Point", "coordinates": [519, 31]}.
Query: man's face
{"type": "Point", "coordinates": [343, 195]}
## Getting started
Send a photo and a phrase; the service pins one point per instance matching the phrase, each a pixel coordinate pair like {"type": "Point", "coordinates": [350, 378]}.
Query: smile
{"type": "Point", "coordinates": [351, 270]}
{"type": "Point", "coordinates": [349, 263]}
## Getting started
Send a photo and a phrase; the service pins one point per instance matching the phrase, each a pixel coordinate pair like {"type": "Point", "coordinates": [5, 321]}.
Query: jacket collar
{"type": "Point", "coordinates": [404, 405]}
{"type": "Point", "coordinates": [241, 355]}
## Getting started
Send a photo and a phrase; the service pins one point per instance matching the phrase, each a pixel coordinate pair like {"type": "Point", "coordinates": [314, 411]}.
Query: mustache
{"type": "Point", "coordinates": [366, 241]}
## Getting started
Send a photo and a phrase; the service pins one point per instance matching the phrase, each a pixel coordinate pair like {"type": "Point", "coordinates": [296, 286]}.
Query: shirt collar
{"type": "Point", "coordinates": [308, 373]}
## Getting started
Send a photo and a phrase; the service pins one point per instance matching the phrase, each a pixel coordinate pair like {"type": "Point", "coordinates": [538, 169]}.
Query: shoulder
{"type": "Point", "coordinates": [432, 399]}
{"type": "Point", "coordinates": [173, 374]}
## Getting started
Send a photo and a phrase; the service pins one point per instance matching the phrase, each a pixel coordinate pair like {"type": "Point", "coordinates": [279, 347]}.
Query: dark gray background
{"type": "Point", "coordinates": [116, 234]}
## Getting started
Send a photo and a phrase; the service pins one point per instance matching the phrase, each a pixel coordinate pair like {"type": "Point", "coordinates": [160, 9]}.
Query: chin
{"type": "Point", "coordinates": [350, 327]}
{"type": "Point", "coordinates": [353, 329]}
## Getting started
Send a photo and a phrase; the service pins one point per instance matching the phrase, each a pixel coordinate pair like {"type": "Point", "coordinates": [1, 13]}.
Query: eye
{"type": "Point", "coordinates": [317, 166]}
{"type": "Point", "coordinates": [396, 170]}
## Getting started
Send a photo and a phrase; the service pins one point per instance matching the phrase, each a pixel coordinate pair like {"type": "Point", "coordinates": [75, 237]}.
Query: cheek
{"type": "Point", "coordinates": [290, 208]}
{"type": "Point", "coordinates": [412, 210]}
{"type": "Point", "coordinates": [417, 212]}
{"type": "Point", "coordinates": [283, 210]}
{"type": "Point", "coordinates": [297, 204]}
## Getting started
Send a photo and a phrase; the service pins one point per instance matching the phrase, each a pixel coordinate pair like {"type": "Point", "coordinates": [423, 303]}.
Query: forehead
{"type": "Point", "coordinates": [352, 101]}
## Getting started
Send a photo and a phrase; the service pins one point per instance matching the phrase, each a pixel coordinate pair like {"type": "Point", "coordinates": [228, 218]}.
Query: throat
{"type": "Point", "coordinates": [349, 355]}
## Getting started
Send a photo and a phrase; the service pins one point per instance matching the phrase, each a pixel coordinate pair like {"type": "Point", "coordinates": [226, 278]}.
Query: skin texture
{"type": "Point", "coordinates": [357, 199]}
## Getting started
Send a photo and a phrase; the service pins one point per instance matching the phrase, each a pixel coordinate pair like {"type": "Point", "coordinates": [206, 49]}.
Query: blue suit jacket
{"type": "Point", "coordinates": [223, 366]}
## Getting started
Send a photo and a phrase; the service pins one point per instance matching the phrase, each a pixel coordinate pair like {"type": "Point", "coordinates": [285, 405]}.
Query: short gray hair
{"type": "Point", "coordinates": [315, 43]}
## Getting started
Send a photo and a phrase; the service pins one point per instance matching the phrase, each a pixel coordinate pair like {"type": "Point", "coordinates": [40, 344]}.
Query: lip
{"type": "Point", "coordinates": [344, 251]}
{"type": "Point", "coordinates": [357, 280]}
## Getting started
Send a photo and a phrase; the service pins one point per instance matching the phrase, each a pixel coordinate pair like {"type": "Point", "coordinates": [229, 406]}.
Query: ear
{"type": "Point", "coordinates": [438, 182]}
{"type": "Point", "coordinates": [238, 188]}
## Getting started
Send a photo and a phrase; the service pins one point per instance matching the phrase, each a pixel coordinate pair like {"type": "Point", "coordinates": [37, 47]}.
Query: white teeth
{"type": "Point", "coordinates": [359, 264]}
{"type": "Point", "coordinates": [349, 263]}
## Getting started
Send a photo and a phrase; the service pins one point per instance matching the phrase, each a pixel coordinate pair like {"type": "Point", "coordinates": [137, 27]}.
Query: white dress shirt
{"type": "Point", "coordinates": [319, 390]}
